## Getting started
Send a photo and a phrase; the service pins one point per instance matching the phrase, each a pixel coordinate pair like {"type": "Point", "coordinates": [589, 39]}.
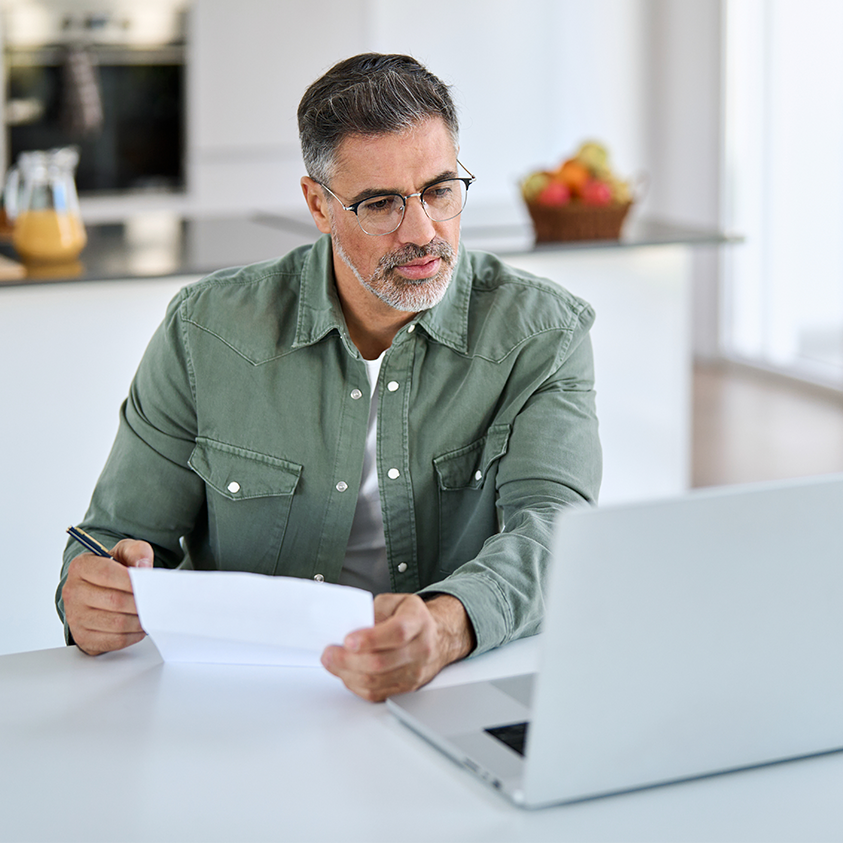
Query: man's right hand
{"type": "Point", "coordinates": [99, 605]}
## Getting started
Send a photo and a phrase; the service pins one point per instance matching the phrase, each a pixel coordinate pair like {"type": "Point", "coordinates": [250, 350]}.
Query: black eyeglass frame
{"type": "Point", "coordinates": [353, 208]}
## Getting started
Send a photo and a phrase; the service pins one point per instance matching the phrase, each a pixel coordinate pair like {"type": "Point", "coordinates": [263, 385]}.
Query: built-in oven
{"type": "Point", "coordinates": [108, 76]}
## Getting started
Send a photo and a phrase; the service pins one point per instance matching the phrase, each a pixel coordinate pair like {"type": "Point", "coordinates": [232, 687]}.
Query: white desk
{"type": "Point", "coordinates": [123, 747]}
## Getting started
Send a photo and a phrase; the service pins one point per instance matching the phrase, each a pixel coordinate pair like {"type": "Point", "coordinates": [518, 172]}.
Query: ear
{"type": "Point", "coordinates": [317, 204]}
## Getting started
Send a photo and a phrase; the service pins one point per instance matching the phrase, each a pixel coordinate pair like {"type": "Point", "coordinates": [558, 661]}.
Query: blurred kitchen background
{"type": "Point", "coordinates": [728, 109]}
{"type": "Point", "coordinates": [727, 113]}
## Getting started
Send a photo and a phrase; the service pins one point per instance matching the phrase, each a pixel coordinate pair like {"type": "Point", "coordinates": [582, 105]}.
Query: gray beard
{"type": "Point", "coordinates": [399, 292]}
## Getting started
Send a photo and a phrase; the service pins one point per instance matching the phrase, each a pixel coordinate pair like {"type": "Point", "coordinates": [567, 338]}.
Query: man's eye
{"type": "Point", "coordinates": [439, 191]}
{"type": "Point", "coordinates": [382, 205]}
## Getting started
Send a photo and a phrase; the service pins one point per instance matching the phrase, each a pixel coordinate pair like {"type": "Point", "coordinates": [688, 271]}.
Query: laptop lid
{"type": "Point", "coordinates": [683, 638]}
{"type": "Point", "coordinates": [688, 637]}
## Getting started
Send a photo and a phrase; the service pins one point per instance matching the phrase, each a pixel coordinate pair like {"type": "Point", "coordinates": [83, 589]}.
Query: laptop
{"type": "Point", "coordinates": [683, 638]}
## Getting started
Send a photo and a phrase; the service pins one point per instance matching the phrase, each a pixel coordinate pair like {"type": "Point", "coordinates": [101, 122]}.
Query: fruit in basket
{"type": "Point", "coordinates": [554, 193]}
{"type": "Point", "coordinates": [595, 158]}
{"type": "Point", "coordinates": [534, 184]}
{"type": "Point", "coordinates": [587, 175]}
{"type": "Point", "coordinates": [596, 192]}
{"type": "Point", "coordinates": [581, 199]}
{"type": "Point", "coordinates": [574, 175]}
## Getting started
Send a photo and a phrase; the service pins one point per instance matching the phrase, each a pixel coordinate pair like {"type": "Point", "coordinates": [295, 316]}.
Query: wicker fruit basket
{"type": "Point", "coordinates": [582, 199]}
{"type": "Point", "coordinates": [577, 221]}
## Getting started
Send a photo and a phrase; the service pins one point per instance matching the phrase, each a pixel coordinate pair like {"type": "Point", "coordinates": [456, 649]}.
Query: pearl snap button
{"type": "Point", "coordinates": [234, 487]}
{"type": "Point", "coordinates": [411, 329]}
{"type": "Point", "coordinates": [392, 386]}
{"type": "Point", "coordinates": [319, 578]}
{"type": "Point", "coordinates": [356, 393]}
{"type": "Point", "coordinates": [478, 475]}
{"type": "Point", "coordinates": [342, 486]}
{"type": "Point", "coordinates": [402, 566]}
{"type": "Point", "coordinates": [393, 474]}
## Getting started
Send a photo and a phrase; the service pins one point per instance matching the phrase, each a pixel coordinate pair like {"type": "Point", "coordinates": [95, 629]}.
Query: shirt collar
{"type": "Point", "coordinates": [319, 306]}
{"type": "Point", "coordinates": [320, 311]}
{"type": "Point", "coordinates": [447, 322]}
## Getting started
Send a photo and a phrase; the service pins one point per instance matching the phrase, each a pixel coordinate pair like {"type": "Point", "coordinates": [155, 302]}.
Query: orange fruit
{"type": "Point", "coordinates": [574, 175]}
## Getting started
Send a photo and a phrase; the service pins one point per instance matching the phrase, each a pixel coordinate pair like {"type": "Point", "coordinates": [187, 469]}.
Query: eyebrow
{"type": "Point", "coordinates": [373, 192]}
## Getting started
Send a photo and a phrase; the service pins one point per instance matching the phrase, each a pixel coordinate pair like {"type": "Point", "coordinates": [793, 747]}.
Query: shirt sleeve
{"type": "Point", "coordinates": [146, 489]}
{"type": "Point", "coordinates": [553, 460]}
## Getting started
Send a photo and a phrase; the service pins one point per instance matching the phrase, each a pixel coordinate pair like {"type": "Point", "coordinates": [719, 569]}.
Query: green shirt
{"type": "Point", "coordinates": [240, 446]}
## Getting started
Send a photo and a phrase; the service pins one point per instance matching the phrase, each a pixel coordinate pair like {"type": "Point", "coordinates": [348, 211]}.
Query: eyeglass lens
{"type": "Point", "coordinates": [441, 201]}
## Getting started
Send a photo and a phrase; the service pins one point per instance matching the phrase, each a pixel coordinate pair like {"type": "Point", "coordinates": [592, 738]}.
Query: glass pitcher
{"type": "Point", "coordinates": [42, 202]}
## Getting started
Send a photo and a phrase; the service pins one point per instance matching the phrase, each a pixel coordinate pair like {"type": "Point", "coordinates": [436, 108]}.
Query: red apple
{"type": "Point", "coordinates": [596, 192]}
{"type": "Point", "coordinates": [555, 193]}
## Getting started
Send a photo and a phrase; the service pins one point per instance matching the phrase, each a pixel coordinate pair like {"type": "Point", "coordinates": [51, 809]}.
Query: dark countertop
{"type": "Point", "coordinates": [158, 245]}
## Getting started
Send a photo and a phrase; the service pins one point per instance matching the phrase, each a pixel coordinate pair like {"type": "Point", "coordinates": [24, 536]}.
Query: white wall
{"type": "Point", "coordinates": [249, 63]}
{"type": "Point", "coordinates": [528, 82]}
{"type": "Point", "coordinates": [684, 127]}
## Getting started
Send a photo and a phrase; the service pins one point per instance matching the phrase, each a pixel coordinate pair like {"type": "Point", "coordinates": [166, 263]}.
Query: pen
{"type": "Point", "coordinates": [90, 542]}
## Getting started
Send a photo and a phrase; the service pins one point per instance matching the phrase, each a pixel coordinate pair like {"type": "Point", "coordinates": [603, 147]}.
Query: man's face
{"type": "Point", "coordinates": [409, 269]}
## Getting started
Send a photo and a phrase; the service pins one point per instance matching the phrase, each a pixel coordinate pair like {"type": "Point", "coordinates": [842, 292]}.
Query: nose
{"type": "Point", "coordinates": [416, 227]}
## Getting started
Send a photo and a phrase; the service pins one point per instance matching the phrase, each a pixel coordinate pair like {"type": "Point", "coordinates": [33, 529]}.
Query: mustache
{"type": "Point", "coordinates": [436, 248]}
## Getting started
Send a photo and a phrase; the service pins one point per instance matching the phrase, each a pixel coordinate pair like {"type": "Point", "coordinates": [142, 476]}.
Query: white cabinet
{"type": "Point", "coordinates": [249, 64]}
{"type": "Point", "coordinates": [67, 355]}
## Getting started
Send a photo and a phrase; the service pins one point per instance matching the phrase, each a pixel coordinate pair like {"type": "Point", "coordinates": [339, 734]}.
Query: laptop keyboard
{"type": "Point", "coordinates": [514, 735]}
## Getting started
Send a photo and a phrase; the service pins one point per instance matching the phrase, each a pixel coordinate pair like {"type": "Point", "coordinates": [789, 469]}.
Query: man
{"type": "Point", "coordinates": [381, 409]}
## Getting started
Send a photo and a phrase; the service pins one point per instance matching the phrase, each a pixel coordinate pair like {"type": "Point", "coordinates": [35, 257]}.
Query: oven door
{"type": "Point", "coordinates": [104, 84]}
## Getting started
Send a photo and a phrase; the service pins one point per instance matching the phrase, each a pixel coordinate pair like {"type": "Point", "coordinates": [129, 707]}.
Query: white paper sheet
{"type": "Point", "coordinates": [223, 617]}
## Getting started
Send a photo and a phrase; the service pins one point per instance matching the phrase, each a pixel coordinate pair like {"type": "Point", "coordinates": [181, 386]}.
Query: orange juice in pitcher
{"type": "Point", "coordinates": [44, 205]}
{"type": "Point", "coordinates": [48, 235]}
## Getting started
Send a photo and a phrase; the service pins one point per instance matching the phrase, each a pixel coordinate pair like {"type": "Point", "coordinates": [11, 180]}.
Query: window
{"type": "Point", "coordinates": [783, 302]}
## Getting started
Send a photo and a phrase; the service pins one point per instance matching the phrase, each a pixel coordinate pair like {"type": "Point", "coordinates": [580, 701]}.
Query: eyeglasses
{"type": "Point", "coordinates": [377, 215]}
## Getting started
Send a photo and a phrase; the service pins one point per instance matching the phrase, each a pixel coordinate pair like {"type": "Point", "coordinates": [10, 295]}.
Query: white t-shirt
{"type": "Point", "coordinates": [365, 563]}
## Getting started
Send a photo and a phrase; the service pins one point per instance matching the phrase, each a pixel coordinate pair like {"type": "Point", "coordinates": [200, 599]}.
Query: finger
{"type": "Point", "coordinates": [386, 604]}
{"type": "Point", "coordinates": [398, 629]}
{"type": "Point", "coordinates": [96, 583]}
{"type": "Point", "coordinates": [133, 553]}
{"type": "Point", "coordinates": [100, 619]}
{"type": "Point", "coordinates": [96, 643]}
{"type": "Point", "coordinates": [88, 595]}
{"type": "Point", "coordinates": [343, 662]}
{"type": "Point", "coordinates": [98, 571]}
{"type": "Point", "coordinates": [111, 623]}
{"type": "Point", "coordinates": [393, 656]}
{"type": "Point", "coordinates": [371, 686]}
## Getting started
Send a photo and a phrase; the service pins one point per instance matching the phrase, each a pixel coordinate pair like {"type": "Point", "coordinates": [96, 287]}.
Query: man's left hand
{"type": "Point", "coordinates": [411, 641]}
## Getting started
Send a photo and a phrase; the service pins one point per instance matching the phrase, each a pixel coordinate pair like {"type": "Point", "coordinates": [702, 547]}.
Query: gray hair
{"type": "Point", "coordinates": [369, 94]}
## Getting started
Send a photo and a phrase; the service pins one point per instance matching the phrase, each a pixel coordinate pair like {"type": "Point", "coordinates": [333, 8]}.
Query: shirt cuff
{"type": "Point", "coordinates": [484, 602]}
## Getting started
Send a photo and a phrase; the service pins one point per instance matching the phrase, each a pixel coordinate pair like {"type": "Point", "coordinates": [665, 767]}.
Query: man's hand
{"type": "Point", "coordinates": [411, 641]}
{"type": "Point", "coordinates": [98, 601]}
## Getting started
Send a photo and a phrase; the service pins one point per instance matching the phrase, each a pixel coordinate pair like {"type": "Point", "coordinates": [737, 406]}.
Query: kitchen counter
{"type": "Point", "coordinates": [156, 245]}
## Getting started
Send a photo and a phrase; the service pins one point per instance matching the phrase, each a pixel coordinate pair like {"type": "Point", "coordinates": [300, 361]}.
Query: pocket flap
{"type": "Point", "coordinates": [467, 467]}
{"type": "Point", "coordinates": [238, 474]}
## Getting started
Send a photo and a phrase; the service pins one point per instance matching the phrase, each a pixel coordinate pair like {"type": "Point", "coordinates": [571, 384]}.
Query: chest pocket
{"type": "Point", "coordinates": [467, 513]}
{"type": "Point", "coordinates": [467, 467]}
{"type": "Point", "coordinates": [249, 496]}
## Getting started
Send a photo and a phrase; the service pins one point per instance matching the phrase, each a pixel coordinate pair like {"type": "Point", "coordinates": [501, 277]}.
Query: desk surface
{"type": "Point", "coordinates": [123, 747]}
